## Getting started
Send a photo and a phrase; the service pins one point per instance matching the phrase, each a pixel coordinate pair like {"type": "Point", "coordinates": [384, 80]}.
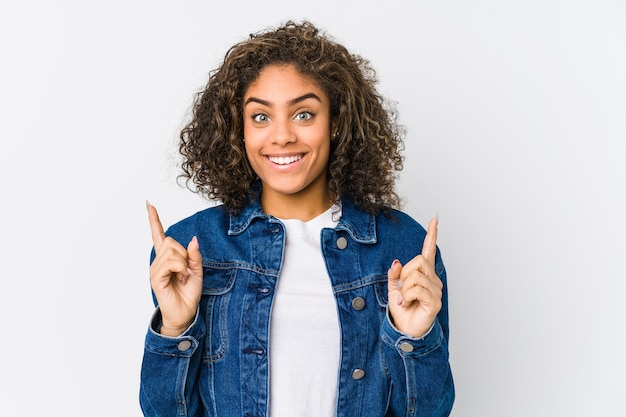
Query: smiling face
{"type": "Point", "coordinates": [287, 137]}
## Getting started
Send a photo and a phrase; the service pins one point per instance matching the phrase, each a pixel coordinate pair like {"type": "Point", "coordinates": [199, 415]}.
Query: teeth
{"type": "Point", "coordinates": [284, 160]}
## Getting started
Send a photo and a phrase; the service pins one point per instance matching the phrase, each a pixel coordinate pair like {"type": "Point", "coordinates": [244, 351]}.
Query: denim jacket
{"type": "Point", "coordinates": [220, 365]}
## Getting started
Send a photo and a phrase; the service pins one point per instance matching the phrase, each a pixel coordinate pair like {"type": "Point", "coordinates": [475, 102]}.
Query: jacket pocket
{"type": "Point", "coordinates": [217, 286]}
{"type": "Point", "coordinates": [380, 286]}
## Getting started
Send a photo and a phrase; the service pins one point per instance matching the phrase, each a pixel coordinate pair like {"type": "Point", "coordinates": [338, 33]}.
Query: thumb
{"type": "Point", "coordinates": [194, 263]}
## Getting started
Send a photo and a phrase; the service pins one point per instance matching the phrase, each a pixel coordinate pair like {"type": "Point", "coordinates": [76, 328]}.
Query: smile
{"type": "Point", "coordinates": [285, 160]}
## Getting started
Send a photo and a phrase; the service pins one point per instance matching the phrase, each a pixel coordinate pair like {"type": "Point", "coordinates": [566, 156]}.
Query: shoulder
{"type": "Point", "coordinates": [209, 220]}
{"type": "Point", "coordinates": [389, 226]}
{"type": "Point", "coordinates": [405, 233]}
{"type": "Point", "coordinates": [400, 223]}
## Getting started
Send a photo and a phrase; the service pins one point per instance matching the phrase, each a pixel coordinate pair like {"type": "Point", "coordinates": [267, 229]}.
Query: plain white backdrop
{"type": "Point", "coordinates": [516, 121]}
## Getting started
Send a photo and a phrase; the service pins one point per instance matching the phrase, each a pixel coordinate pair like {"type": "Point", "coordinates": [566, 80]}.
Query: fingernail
{"type": "Point", "coordinates": [148, 204]}
{"type": "Point", "coordinates": [399, 284]}
{"type": "Point", "coordinates": [400, 299]}
{"type": "Point", "coordinates": [395, 261]}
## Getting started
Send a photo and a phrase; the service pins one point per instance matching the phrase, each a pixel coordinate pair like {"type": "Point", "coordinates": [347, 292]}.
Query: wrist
{"type": "Point", "coordinates": [169, 328]}
{"type": "Point", "coordinates": [414, 331]}
{"type": "Point", "coordinates": [173, 331]}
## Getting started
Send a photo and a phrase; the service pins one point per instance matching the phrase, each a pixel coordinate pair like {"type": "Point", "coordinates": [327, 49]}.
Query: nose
{"type": "Point", "coordinates": [283, 133]}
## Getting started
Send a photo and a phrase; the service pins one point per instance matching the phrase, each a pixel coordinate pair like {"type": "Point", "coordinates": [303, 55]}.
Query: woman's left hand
{"type": "Point", "coordinates": [415, 290]}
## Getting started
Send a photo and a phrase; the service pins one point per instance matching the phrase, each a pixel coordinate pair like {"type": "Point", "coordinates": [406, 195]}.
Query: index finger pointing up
{"type": "Point", "coordinates": [430, 241]}
{"type": "Point", "coordinates": [158, 235]}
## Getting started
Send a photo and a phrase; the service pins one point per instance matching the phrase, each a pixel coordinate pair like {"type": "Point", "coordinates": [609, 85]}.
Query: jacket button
{"type": "Point", "coordinates": [406, 347]}
{"type": "Point", "coordinates": [358, 374]}
{"type": "Point", "coordinates": [358, 303]}
{"type": "Point", "coordinates": [184, 345]}
{"type": "Point", "coordinates": [342, 242]}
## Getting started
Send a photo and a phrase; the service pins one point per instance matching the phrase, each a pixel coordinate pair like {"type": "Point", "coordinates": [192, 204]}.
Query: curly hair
{"type": "Point", "coordinates": [365, 154]}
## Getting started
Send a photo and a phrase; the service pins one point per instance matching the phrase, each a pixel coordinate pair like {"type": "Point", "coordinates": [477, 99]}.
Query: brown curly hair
{"type": "Point", "coordinates": [365, 154]}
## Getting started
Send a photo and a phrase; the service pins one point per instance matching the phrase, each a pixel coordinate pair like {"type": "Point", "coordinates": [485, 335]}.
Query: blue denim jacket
{"type": "Point", "coordinates": [220, 365]}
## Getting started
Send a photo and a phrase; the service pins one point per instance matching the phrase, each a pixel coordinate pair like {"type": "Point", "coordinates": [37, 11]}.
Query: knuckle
{"type": "Point", "coordinates": [169, 241]}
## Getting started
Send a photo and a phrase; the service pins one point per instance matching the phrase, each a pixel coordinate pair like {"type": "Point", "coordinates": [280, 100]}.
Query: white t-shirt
{"type": "Point", "coordinates": [304, 339]}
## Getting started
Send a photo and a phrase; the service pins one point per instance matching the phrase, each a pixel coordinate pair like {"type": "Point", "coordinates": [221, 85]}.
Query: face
{"type": "Point", "coordinates": [287, 134]}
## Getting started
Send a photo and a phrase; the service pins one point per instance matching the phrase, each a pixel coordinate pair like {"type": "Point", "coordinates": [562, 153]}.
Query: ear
{"type": "Point", "coordinates": [334, 127]}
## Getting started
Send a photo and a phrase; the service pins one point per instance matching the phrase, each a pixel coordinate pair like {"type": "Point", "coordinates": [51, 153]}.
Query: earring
{"type": "Point", "coordinates": [335, 135]}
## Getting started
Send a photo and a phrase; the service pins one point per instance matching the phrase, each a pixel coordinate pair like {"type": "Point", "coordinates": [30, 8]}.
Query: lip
{"type": "Point", "coordinates": [285, 161]}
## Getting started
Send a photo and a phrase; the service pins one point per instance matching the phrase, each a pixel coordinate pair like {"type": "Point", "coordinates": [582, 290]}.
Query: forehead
{"type": "Point", "coordinates": [281, 80]}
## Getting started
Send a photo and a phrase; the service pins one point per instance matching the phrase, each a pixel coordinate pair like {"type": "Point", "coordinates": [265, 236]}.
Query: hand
{"type": "Point", "coordinates": [415, 290]}
{"type": "Point", "coordinates": [175, 277]}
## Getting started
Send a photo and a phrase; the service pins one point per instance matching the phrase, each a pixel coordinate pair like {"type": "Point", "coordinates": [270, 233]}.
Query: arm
{"type": "Point", "coordinates": [173, 344]}
{"type": "Point", "coordinates": [422, 383]}
{"type": "Point", "coordinates": [415, 334]}
{"type": "Point", "coordinates": [169, 371]}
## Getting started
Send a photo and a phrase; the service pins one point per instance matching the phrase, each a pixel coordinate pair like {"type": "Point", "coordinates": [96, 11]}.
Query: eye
{"type": "Point", "coordinates": [304, 116]}
{"type": "Point", "coordinates": [260, 118]}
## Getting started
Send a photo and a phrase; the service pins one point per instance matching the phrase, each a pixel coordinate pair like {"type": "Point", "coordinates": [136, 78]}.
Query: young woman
{"type": "Point", "coordinates": [306, 292]}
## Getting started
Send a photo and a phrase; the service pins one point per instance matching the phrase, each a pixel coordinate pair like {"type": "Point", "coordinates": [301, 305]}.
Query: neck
{"type": "Point", "coordinates": [301, 206]}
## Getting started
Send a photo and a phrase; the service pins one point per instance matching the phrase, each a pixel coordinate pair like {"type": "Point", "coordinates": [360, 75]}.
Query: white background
{"type": "Point", "coordinates": [516, 120]}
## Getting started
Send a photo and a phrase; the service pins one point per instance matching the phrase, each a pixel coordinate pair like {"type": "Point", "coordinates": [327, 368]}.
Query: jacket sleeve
{"type": "Point", "coordinates": [169, 371]}
{"type": "Point", "coordinates": [419, 368]}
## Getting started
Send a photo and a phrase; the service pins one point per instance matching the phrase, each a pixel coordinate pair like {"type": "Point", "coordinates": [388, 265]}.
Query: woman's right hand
{"type": "Point", "coordinates": [175, 277]}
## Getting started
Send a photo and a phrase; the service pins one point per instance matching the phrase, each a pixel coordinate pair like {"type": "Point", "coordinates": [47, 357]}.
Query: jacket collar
{"type": "Point", "coordinates": [361, 226]}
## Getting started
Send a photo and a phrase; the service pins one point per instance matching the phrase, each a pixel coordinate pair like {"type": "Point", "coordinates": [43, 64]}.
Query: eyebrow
{"type": "Point", "coordinates": [290, 102]}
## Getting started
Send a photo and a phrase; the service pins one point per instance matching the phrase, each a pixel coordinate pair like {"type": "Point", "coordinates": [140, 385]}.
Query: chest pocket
{"type": "Point", "coordinates": [380, 286]}
{"type": "Point", "coordinates": [217, 286]}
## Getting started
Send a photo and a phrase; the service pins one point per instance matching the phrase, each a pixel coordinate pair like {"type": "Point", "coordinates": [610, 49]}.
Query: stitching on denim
{"type": "Point", "coordinates": [360, 283]}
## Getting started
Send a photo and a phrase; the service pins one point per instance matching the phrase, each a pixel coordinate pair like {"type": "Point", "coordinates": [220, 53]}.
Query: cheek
{"type": "Point", "coordinates": [249, 152]}
{"type": "Point", "coordinates": [253, 136]}
{"type": "Point", "coordinates": [252, 154]}
{"type": "Point", "coordinates": [325, 148]}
